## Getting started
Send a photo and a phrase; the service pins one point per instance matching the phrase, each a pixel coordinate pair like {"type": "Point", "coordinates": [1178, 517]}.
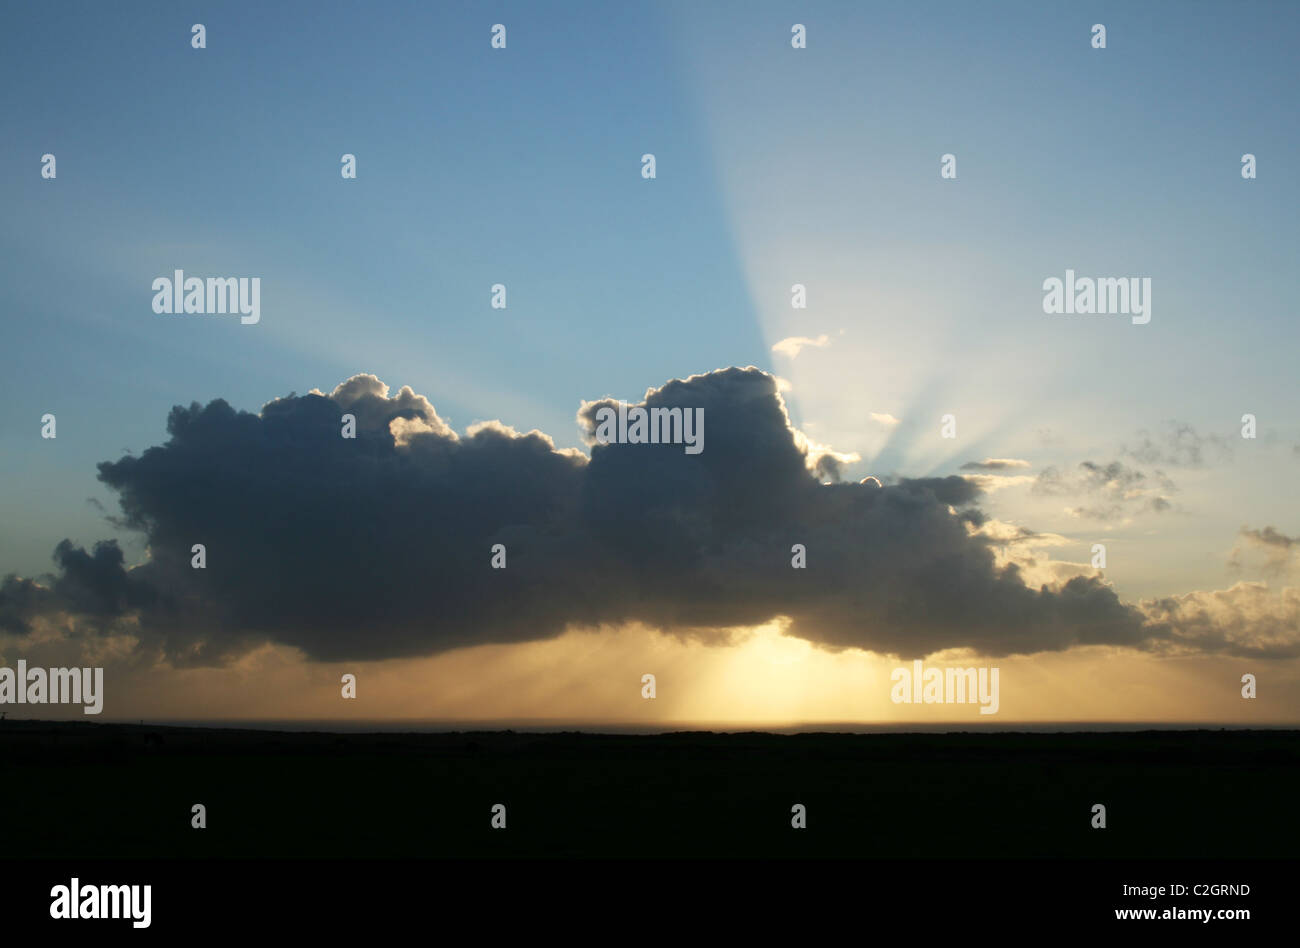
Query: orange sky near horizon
{"type": "Point", "coordinates": [761, 678]}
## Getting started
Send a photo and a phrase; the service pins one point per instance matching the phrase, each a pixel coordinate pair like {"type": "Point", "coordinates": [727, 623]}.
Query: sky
{"type": "Point", "coordinates": [775, 166]}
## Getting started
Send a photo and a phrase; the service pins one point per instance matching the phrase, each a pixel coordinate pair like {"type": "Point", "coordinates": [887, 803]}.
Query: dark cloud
{"type": "Point", "coordinates": [1270, 537]}
{"type": "Point", "coordinates": [995, 464]}
{"type": "Point", "coordinates": [380, 546]}
{"type": "Point", "coordinates": [1246, 620]}
{"type": "Point", "coordinates": [95, 586]}
{"type": "Point", "coordinates": [828, 467]}
{"type": "Point", "coordinates": [1279, 550]}
{"type": "Point", "coordinates": [1115, 489]}
{"type": "Point", "coordinates": [1178, 445]}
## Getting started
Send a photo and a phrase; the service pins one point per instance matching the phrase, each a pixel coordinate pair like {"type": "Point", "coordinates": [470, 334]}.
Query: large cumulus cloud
{"type": "Point", "coordinates": [379, 546]}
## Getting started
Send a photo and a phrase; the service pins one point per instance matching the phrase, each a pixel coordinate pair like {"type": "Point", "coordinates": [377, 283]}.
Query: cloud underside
{"type": "Point", "coordinates": [380, 546]}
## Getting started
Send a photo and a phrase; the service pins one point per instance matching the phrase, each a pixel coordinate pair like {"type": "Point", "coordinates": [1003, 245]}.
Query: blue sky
{"type": "Point", "coordinates": [775, 166]}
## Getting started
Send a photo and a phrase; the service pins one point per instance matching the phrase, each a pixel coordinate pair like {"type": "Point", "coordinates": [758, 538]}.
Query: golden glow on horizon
{"type": "Point", "coordinates": [761, 678]}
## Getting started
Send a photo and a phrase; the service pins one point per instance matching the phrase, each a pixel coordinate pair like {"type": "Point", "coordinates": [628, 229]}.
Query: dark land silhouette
{"type": "Point", "coordinates": [124, 791]}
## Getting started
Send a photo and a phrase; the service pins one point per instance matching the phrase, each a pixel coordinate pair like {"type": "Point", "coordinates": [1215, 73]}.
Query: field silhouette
{"type": "Point", "coordinates": [81, 790]}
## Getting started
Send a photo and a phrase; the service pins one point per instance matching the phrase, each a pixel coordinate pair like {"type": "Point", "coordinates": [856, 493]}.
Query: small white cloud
{"type": "Point", "coordinates": [884, 418]}
{"type": "Point", "coordinates": [794, 344]}
{"type": "Point", "coordinates": [1003, 531]}
{"type": "Point", "coordinates": [991, 482]}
